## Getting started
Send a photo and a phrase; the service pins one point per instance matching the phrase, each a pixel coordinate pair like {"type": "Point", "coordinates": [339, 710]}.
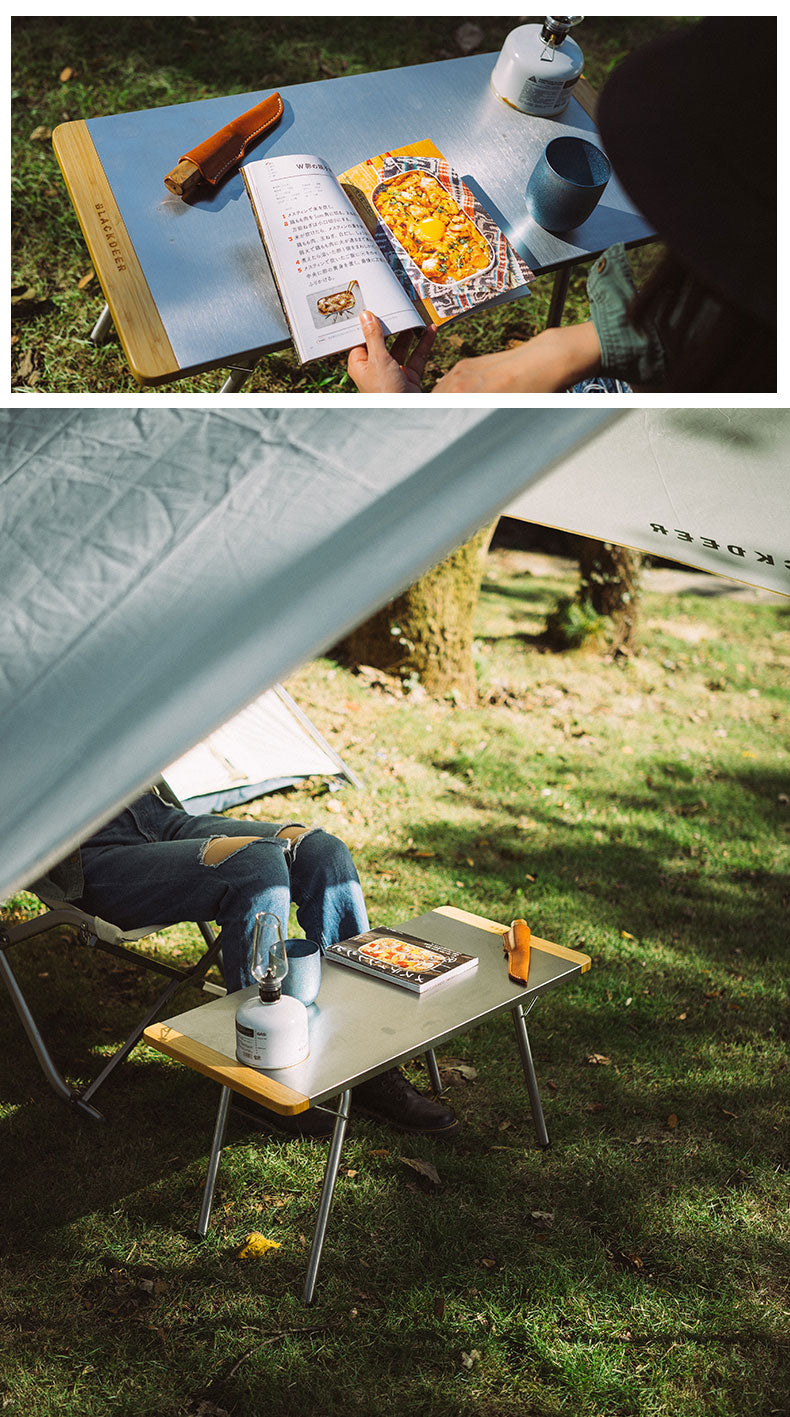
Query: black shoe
{"type": "Point", "coordinates": [312, 1123]}
{"type": "Point", "coordinates": [391, 1099]}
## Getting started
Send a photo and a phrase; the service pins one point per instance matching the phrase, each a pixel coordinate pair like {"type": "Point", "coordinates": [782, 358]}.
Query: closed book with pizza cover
{"type": "Point", "coordinates": [401, 959]}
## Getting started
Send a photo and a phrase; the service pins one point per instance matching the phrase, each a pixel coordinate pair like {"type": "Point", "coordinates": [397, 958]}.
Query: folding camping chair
{"type": "Point", "coordinates": [96, 933]}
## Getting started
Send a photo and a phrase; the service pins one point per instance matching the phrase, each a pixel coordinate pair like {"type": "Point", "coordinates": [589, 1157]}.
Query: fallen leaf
{"type": "Point", "coordinates": [464, 1070]}
{"type": "Point", "coordinates": [86, 280]}
{"type": "Point", "coordinates": [26, 366]}
{"type": "Point", "coordinates": [438, 1307]}
{"type": "Point", "coordinates": [729, 1114]}
{"type": "Point", "coordinates": [425, 1169]}
{"type": "Point", "coordinates": [256, 1245]}
{"type": "Point", "coordinates": [41, 134]}
{"type": "Point", "coordinates": [682, 1016]}
{"type": "Point", "coordinates": [672, 1121]}
{"type": "Point", "coordinates": [598, 1058]}
{"type": "Point", "coordinates": [488, 1263]}
{"type": "Point", "coordinates": [544, 1217]}
{"type": "Point", "coordinates": [624, 935]}
{"type": "Point", "coordinates": [379, 1151]}
{"type": "Point", "coordinates": [469, 1359]}
{"type": "Point", "coordinates": [66, 74]}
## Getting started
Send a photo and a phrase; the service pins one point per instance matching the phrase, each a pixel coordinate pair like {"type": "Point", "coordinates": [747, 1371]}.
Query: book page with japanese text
{"type": "Point", "coordinates": [327, 266]}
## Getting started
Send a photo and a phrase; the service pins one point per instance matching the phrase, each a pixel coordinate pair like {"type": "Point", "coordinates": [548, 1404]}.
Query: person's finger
{"type": "Point", "coordinates": [374, 336]}
{"type": "Point", "coordinates": [357, 360]}
{"type": "Point", "coordinates": [399, 350]}
{"type": "Point", "coordinates": [419, 358]}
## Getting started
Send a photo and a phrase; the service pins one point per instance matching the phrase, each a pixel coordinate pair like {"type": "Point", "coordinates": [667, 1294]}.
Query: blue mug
{"type": "Point", "coordinates": [567, 183]}
{"type": "Point", "coordinates": [303, 979]}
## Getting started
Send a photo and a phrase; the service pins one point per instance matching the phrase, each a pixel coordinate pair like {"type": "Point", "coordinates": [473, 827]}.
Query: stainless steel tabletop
{"type": "Point", "coordinates": [359, 1025]}
{"type": "Point", "coordinates": [204, 261]}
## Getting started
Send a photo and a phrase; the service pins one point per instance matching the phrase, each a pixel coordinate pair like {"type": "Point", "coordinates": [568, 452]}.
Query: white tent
{"type": "Point", "coordinates": [161, 567]}
{"type": "Point", "coordinates": [269, 745]}
{"type": "Point", "coordinates": [704, 486]}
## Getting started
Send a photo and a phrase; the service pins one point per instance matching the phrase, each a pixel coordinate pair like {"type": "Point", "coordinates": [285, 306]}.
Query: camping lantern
{"type": "Point", "coordinates": [271, 1031]}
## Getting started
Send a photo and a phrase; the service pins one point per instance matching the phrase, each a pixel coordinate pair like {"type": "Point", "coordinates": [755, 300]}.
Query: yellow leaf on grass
{"type": "Point", "coordinates": [624, 935]}
{"type": "Point", "coordinates": [598, 1058]}
{"type": "Point", "coordinates": [256, 1245]}
{"type": "Point", "coordinates": [86, 280]}
{"type": "Point", "coordinates": [672, 1121]}
{"type": "Point", "coordinates": [66, 74]}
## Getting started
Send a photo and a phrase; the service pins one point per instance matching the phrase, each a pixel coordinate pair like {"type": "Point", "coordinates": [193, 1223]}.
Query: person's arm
{"type": "Point", "coordinates": [550, 363]}
{"type": "Point", "coordinates": [376, 370]}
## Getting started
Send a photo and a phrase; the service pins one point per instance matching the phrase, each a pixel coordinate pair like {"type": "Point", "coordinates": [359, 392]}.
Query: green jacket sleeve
{"type": "Point", "coordinates": [636, 356]}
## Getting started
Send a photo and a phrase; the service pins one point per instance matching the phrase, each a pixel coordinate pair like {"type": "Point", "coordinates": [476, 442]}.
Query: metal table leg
{"type": "Point", "coordinates": [524, 1049]}
{"type": "Point", "coordinates": [213, 1163]}
{"type": "Point", "coordinates": [433, 1072]}
{"type": "Point", "coordinates": [327, 1192]}
{"type": "Point", "coordinates": [103, 326]}
{"type": "Point", "coordinates": [559, 292]}
{"type": "Point", "coordinates": [237, 378]}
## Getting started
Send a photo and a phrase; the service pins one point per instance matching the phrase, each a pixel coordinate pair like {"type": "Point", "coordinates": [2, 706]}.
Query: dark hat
{"type": "Point", "coordinates": [689, 123]}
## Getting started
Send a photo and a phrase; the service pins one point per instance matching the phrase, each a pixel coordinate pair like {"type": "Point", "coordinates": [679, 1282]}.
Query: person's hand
{"type": "Point", "coordinates": [377, 370]}
{"type": "Point", "coordinates": [550, 363]}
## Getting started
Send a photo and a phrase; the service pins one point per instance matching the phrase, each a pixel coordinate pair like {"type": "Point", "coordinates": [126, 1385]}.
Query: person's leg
{"type": "Point", "coordinates": [331, 907]}
{"type": "Point", "coordinates": [165, 882]}
{"type": "Point", "coordinates": [325, 886]}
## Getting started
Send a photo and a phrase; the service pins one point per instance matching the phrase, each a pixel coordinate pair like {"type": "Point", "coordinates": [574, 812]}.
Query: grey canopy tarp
{"type": "Point", "coordinates": [161, 567]}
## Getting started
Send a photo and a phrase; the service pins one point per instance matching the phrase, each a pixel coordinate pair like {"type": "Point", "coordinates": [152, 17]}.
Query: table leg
{"type": "Point", "coordinates": [236, 379]}
{"type": "Point", "coordinates": [213, 1162]}
{"type": "Point", "coordinates": [529, 1074]}
{"type": "Point", "coordinates": [559, 292]}
{"type": "Point", "coordinates": [327, 1192]}
{"type": "Point", "coordinates": [433, 1072]}
{"type": "Point", "coordinates": [103, 326]}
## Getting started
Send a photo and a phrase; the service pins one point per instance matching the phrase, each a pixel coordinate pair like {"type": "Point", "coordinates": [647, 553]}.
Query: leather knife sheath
{"type": "Point", "coordinates": [218, 154]}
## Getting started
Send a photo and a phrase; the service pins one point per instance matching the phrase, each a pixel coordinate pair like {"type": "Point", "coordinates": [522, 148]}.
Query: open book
{"type": "Point", "coordinates": [400, 234]}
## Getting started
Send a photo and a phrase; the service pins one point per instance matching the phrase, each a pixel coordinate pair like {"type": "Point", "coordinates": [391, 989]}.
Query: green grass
{"type": "Point", "coordinates": [626, 808]}
{"type": "Point", "coordinates": [120, 64]}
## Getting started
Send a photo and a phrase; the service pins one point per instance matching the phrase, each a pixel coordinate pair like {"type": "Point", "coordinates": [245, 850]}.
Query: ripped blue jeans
{"type": "Point", "coordinates": [151, 865]}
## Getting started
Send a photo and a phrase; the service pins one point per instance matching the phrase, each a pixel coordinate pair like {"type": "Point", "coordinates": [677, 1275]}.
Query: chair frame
{"type": "Point", "coordinates": [14, 935]}
{"type": "Point", "coordinates": [88, 933]}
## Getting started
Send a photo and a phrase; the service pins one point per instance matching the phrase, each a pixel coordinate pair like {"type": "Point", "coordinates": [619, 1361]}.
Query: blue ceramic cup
{"type": "Point", "coordinates": [567, 183]}
{"type": "Point", "coordinates": [303, 979]}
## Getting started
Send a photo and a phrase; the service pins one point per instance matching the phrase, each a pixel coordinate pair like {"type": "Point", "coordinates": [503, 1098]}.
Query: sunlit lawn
{"type": "Point", "coordinates": [636, 810]}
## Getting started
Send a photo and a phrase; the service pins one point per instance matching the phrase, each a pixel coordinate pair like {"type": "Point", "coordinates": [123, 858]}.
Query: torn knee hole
{"type": "Point", "coordinates": [294, 832]}
{"type": "Point", "coordinates": [220, 847]}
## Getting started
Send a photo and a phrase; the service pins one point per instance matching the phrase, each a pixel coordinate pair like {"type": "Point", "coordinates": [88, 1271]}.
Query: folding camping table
{"type": "Point", "coordinates": [187, 283]}
{"type": "Point", "coordinates": [361, 1026]}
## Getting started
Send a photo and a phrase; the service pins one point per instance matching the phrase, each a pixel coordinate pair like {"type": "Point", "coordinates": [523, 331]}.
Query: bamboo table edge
{"type": "Point", "coordinates": [135, 316]}
{"type": "Point", "coordinates": [257, 1086]}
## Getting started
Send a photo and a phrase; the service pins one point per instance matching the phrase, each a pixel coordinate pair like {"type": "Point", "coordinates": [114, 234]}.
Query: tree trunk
{"type": "Point", "coordinates": [610, 583]}
{"type": "Point", "coordinates": [427, 632]}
